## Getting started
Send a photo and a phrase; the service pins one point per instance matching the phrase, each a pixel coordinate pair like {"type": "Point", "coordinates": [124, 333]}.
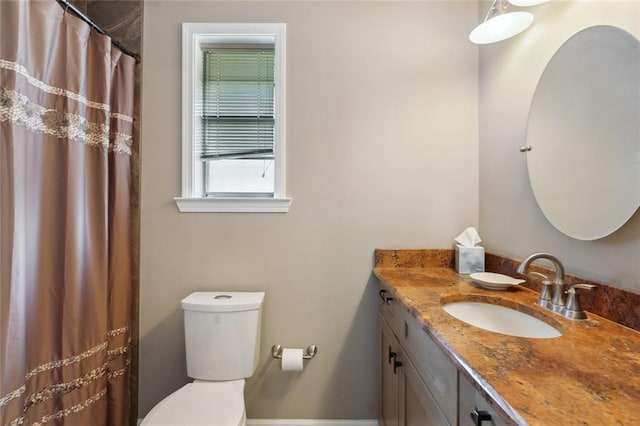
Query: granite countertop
{"type": "Point", "coordinates": [588, 376]}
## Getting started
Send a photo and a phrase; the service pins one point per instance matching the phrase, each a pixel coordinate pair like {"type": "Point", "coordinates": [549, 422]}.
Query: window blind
{"type": "Point", "coordinates": [237, 103]}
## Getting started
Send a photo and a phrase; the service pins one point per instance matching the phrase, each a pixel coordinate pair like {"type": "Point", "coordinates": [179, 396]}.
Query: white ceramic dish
{"type": "Point", "coordinates": [493, 281]}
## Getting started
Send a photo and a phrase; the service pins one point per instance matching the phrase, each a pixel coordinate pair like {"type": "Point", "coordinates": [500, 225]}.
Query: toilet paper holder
{"type": "Point", "coordinates": [309, 352]}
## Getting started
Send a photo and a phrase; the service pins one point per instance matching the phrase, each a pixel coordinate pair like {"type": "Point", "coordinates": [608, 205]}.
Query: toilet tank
{"type": "Point", "coordinates": [222, 334]}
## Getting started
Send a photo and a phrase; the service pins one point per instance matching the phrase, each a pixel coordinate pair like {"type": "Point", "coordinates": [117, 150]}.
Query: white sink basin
{"type": "Point", "coordinates": [500, 319]}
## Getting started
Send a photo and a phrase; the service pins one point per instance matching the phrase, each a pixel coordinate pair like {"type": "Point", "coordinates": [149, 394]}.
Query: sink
{"type": "Point", "coordinates": [500, 319]}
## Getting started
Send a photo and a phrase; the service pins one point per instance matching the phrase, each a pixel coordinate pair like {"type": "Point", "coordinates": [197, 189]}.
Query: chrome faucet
{"type": "Point", "coordinates": [558, 299]}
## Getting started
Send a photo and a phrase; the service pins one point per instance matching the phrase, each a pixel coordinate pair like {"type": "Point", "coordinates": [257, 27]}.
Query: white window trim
{"type": "Point", "coordinates": [189, 201]}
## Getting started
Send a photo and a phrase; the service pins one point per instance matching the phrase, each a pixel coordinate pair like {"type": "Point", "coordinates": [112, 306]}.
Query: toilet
{"type": "Point", "coordinates": [222, 339]}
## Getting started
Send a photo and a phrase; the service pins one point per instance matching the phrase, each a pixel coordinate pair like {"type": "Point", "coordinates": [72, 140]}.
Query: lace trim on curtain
{"type": "Point", "coordinates": [19, 69]}
{"type": "Point", "coordinates": [64, 388]}
{"type": "Point", "coordinates": [19, 110]}
{"type": "Point", "coordinates": [62, 413]}
{"type": "Point", "coordinates": [67, 361]}
{"type": "Point", "coordinates": [49, 366]}
{"type": "Point", "coordinates": [12, 395]}
{"type": "Point", "coordinates": [92, 376]}
{"type": "Point", "coordinates": [117, 331]}
{"type": "Point", "coordinates": [120, 372]}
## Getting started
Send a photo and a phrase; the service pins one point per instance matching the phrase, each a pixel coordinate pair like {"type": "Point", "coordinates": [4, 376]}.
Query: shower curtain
{"type": "Point", "coordinates": [66, 105]}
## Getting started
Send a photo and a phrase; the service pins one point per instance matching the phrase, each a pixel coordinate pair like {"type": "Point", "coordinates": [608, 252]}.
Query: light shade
{"type": "Point", "coordinates": [501, 27]}
{"type": "Point", "coordinates": [526, 3]}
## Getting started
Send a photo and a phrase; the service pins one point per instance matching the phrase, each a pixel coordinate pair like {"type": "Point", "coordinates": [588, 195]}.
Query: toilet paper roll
{"type": "Point", "coordinates": [291, 359]}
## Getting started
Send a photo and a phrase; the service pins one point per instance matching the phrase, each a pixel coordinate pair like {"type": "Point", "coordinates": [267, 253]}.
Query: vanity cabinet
{"type": "Point", "coordinates": [419, 384]}
{"type": "Point", "coordinates": [405, 399]}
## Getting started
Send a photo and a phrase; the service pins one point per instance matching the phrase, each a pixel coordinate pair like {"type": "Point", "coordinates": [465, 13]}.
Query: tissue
{"type": "Point", "coordinates": [468, 238]}
{"type": "Point", "coordinates": [469, 255]}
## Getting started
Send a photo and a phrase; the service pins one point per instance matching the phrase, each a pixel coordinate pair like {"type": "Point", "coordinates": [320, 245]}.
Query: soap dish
{"type": "Point", "coordinates": [493, 281]}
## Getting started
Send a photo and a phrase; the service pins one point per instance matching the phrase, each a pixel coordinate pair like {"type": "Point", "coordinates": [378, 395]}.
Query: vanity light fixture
{"type": "Point", "coordinates": [499, 24]}
{"type": "Point", "coordinates": [527, 3]}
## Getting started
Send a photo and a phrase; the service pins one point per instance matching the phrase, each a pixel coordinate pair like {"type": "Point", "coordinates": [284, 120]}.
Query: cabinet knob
{"type": "Point", "coordinates": [479, 416]}
{"type": "Point", "coordinates": [381, 294]}
{"type": "Point", "coordinates": [392, 355]}
{"type": "Point", "coordinates": [384, 298]}
{"type": "Point", "coordinates": [396, 364]}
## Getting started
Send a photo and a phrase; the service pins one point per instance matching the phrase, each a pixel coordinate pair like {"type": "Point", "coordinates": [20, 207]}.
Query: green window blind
{"type": "Point", "coordinates": [238, 103]}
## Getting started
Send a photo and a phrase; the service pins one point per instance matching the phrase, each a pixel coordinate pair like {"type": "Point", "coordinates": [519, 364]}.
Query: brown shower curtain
{"type": "Point", "coordinates": [66, 106]}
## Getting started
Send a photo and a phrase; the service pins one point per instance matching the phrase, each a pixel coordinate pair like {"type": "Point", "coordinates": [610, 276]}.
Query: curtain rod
{"type": "Point", "coordinates": [69, 6]}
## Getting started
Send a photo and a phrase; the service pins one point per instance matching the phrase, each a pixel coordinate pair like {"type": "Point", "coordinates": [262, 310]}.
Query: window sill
{"type": "Point", "coordinates": [233, 205]}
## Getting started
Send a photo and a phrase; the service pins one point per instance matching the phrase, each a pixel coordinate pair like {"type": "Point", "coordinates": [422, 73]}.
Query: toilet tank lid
{"type": "Point", "coordinates": [223, 301]}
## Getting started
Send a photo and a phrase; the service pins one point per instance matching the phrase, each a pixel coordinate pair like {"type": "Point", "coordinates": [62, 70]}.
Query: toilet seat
{"type": "Point", "coordinates": [201, 403]}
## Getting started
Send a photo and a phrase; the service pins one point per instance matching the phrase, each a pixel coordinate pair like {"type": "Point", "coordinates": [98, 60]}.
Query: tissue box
{"type": "Point", "coordinates": [469, 259]}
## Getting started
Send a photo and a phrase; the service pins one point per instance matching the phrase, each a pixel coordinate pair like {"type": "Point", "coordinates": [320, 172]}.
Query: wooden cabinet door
{"type": "Point", "coordinates": [417, 406]}
{"type": "Point", "coordinates": [388, 377]}
{"type": "Point", "coordinates": [433, 366]}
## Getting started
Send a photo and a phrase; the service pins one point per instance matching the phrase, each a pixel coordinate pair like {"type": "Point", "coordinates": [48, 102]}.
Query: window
{"type": "Point", "coordinates": [237, 120]}
{"type": "Point", "coordinates": [233, 147]}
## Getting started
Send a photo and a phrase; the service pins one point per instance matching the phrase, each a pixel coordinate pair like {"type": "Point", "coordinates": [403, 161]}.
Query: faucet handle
{"type": "Point", "coordinates": [545, 294]}
{"type": "Point", "coordinates": [573, 308]}
{"type": "Point", "coordinates": [538, 274]}
{"type": "Point", "coordinates": [581, 285]}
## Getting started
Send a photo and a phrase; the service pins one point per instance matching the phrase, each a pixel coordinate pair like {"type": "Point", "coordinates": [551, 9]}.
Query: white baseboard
{"type": "Point", "coordinates": [310, 422]}
{"type": "Point", "coordinates": [306, 422]}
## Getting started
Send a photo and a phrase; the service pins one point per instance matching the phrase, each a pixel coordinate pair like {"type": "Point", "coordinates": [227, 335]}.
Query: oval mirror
{"type": "Point", "coordinates": [583, 134]}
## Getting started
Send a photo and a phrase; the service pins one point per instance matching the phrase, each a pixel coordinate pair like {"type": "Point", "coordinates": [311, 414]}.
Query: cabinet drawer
{"type": "Point", "coordinates": [390, 309]}
{"type": "Point", "coordinates": [434, 367]}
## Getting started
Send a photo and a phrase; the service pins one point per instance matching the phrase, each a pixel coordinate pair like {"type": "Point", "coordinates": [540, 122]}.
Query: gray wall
{"type": "Point", "coordinates": [511, 222]}
{"type": "Point", "coordinates": [382, 151]}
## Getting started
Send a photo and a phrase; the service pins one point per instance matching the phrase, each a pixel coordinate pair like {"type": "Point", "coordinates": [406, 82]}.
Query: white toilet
{"type": "Point", "coordinates": [222, 337]}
